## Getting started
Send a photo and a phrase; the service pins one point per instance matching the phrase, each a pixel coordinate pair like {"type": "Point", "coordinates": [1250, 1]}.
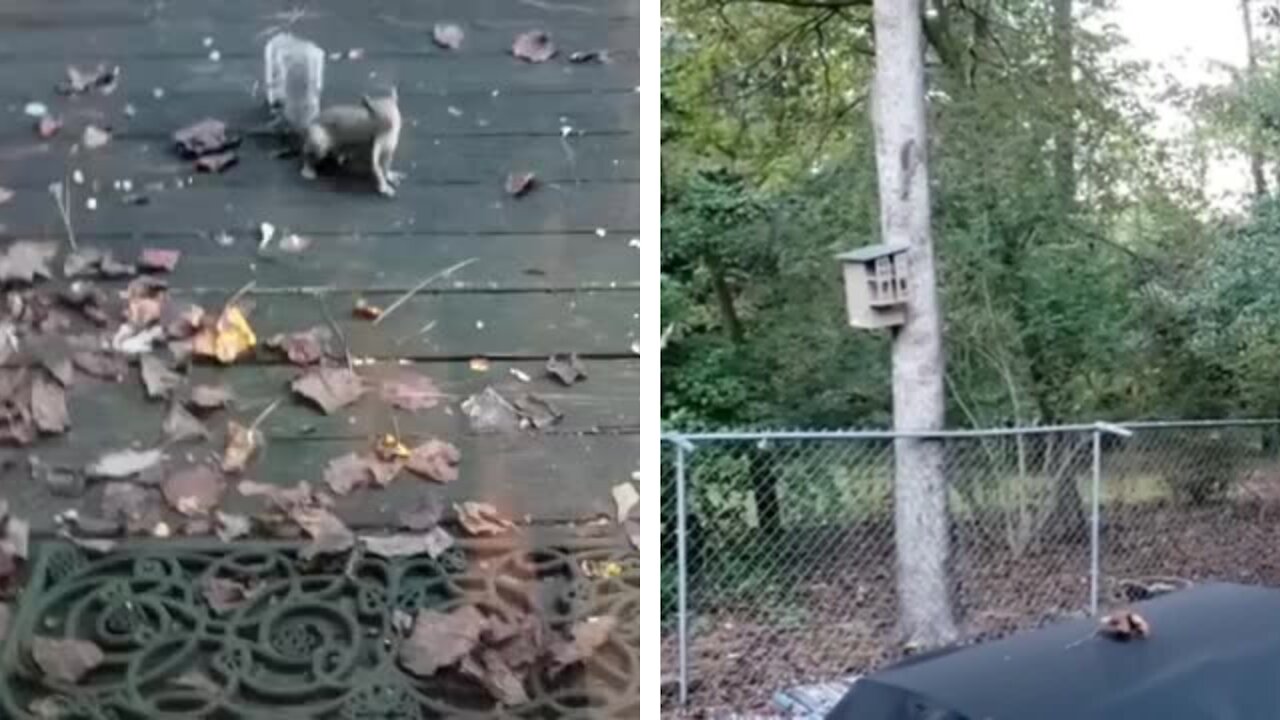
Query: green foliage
{"type": "Point", "coordinates": [1113, 289]}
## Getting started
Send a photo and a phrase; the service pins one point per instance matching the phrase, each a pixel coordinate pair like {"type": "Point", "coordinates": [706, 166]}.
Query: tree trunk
{"type": "Point", "coordinates": [1064, 143]}
{"type": "Point", "coordinates": [1256, 161]}
{"type": "Point", "coordinates": [920, 509]}
{"type": "Point", "coordinates": [1066, 517]}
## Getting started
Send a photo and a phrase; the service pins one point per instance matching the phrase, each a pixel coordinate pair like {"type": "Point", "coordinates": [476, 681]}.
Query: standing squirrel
{"type": "Point", "coordinates": [294, 82]}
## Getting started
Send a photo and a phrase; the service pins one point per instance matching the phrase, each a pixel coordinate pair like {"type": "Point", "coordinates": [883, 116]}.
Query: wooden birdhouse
{"type": "Point", "coordinates": [877, 285]}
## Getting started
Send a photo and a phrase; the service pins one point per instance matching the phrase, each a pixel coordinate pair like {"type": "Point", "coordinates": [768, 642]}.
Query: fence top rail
{"type": "Point", "coordinates": [1121, 429]}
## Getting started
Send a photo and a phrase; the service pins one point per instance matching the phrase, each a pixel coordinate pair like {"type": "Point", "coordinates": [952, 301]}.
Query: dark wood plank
{"type": "Point", "coordinates": [411, 75]}
{"type": "Point", "coordinates": [532, 325]}
{"type": "Point", "coordinates": [280, 13]}
{"type": "Point", "coordinates": [395, 263]}
{"type": "Point", "coordinates": [203, 206]}
{"type": "Point", "coordinates": [25, 164]}
{"type": "Point", "coordinates": [427, 117]}
{"type": "Point", "coordinates": [547, 478]}
{"type": "Point", "coordinates": [107, 414]}
{"type": "Point", "coordinates": [376, 34]}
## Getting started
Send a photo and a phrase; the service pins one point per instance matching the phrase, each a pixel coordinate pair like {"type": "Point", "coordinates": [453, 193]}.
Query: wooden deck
{"type": "Point", "coordinates": [555, 271]}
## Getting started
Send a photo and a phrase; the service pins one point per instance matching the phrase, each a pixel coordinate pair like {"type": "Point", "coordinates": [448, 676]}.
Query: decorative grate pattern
{"type": "Point", "coordinates": [317, 640]}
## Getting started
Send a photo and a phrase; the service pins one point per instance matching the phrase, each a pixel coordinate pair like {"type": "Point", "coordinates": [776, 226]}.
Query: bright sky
{"type": "Point", "coordinates": [1184, 38]}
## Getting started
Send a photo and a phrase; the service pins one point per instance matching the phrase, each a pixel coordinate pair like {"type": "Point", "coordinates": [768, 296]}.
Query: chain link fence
{"type": "Point", "coordinates": [779, 564]}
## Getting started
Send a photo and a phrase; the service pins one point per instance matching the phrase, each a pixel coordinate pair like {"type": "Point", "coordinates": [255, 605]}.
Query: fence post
{"type": "Point", "coordinates": [682, 580]}
{"type": "Point", "coordinates": [1095, 501]}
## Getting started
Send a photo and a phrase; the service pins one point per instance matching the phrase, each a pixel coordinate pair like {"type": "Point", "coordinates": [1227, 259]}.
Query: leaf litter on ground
{"type": "Point", "coordinates": [481, 518]}
{"type": "Point", "coordinates": [125, 463]}
{"type": "Point", "coordinates": [329, 535]}
{"type": "Point", "coordinates": [65, 660]}
{"type": "Point", "coordinates": [228, 338]}
{"type": "Point", "coordinates": [586, 637]}
{"type": "Point", "coordinates": [24, 261]}
{"type": "Point", "coordinates": [307, 347]}
{"type": "Point", "coordinates": [489, 411]}
{"type": "Point", "coordinates": [566, 367]}
{"type": "Point", "coordinates": [330, 388]}
{"type": "Point", "coordinates": [439, 640]}
{"type": "Point", "coordinates": [537, 411]}
{"type": "Point", "coordinates": [447, 35]}
{"type": "Point", "coordinates": [432, 543]}
{"type": "Point", "coordinates": [410, 390]}
{"type": "Point", "coordinates": [194, 490]}
{"type": "Point", "coordinates": [435, 460]}
{"type": "Point", "coordinates": [534, 46]}
{"type": "Point", "coordinates": [206, 398]}
{"type": "Point", "coordinates": [180, 425]}
{"type": "Point", "coordinates": [49, 405]}
{"type": "Point", "coordinates": [158, 378]}
{"type": "Point", "coordinates": [520, 184]}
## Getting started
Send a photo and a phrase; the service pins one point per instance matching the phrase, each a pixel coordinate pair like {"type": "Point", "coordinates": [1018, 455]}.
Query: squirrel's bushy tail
{"type": "Point", "coordinates": [294, 79]}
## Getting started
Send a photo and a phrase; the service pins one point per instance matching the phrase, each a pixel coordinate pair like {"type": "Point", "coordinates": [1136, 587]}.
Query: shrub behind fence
{"type": "Point", "coordinates": [789, 559]}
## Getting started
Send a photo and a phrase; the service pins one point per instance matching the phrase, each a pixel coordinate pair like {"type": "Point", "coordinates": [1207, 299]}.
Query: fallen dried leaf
{"type": "Point", "coordinates": [5, 195]}
{"type": "Point", "coordinates": [432, 544]}
{"type": "Point", "coordinates": [423, 517]}
{"type": "Point", "coordinates": [447, 36]}
{"type": "Point", "coordinates": [566, 368]}
{"type": "Point", "coordinates": [328, 534]}
{"type": "Point", "coordinates": [217, 162]}
{"type": "Point", "coordinates": [65, 660]}
{"type": "Point", "coordinates": [26, 260]}
{"type": "Point", "coordinates": [519, 184]}
{"type": "Point", "coordinates": [205, 137]}
{"type": "Point", "coordinates": [242, 442]}
{"type": "Point", "coordinates": [181, 426]}
{"type": "Point", "coordinates": [131, 340]}
{"type": "Point", "coordinates": [231, 527]}
{"type": "Point", "coordinates": [182, 321]}
{"type": "Point", "coordinates": [136, 506]}
{"type": "Point", "coordinates": [125, 463]}
{"type": "Point", "coordinates": [435, 460]}
{"type": "Point", "coordinates": [346, 473]}
{"type": "Point", "coordinates": [210, 397]}
{"type": "Point", "coordinates": [17, 537]}
{"type": "Point", "coordinates": [159, 259]}
{"type": "Point", "coordinates": [534, 46]}
{"type": "Point", "coordinates": [498, 677]}
{"type": "Point", "coordinates": [365, 311]}
{"type": "Point", "coordinates": [284, 498]}
{"type": "Point", "coordinates": [194, 490]}
{"type": "Point", "coordinates": [587, 637]}
{"type": "Point", "coordinates": [488, 411]}
{"type": "Point", "coordinates": [479, 364]}
{"type": "Point", "coordinates": [481, 518]}
{"type": "Point", "coordinates": [48, 126]}
{"type": "Point", "coordinates": [102, 365]}
{"type": "Point", "coordinates": [330, 388]}
{"type": "Point", "coordinates": [626, 498]}
{"type": "Point", "coordinates": [439, 640]}
{"type": "Point", "coordinates": [95, 137]}
{"type": "Point", "coordinates": [537, 411]}
{"type": "Point", "coordinates": [79, 81]}
{"type": "Point", "coordinates": [303, 348]}
{"type": "Point", "coordinates": [293, 243]}
{"type": "Point", "coordinates": [230, 337]}
{"type": "Point", "coordinates": [223, 594]}
{"type": "Point", "coordinates": [411, 391]}
{"type": "Point", "coordinates": [49, 405]}
{"type": "Point", "coordinates": [157, 377]}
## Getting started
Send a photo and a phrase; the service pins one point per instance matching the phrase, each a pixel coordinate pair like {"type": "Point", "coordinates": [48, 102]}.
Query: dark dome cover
{"type": "Point", "coordinates": [1214, 652]}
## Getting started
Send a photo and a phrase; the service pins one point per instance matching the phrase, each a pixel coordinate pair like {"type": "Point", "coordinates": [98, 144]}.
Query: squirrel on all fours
{"type": "Point", "coordinates": [336, 134]}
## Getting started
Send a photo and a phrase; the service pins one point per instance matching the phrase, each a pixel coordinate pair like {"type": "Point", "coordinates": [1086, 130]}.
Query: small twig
{"type": "Point", "coordinates": [333, 325]}
{"type": "Point", "coordinates": [63, 199]}
{"type": "Point", "coordinates": [425, 282]}
{"type": "Point", "coordinates": [253, 426]}
{"type": "Point", "coordinates": [239, 293]}
{"type": "Point", "coordinates": [422, 331]}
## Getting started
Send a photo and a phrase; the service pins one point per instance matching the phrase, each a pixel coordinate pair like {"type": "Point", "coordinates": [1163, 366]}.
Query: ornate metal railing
{"type": "Point", "coordinates": [316, 639]}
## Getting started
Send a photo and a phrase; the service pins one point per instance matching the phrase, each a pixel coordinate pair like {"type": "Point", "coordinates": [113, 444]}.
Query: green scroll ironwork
{"type": "Point", "coordinates": [318, 640]}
